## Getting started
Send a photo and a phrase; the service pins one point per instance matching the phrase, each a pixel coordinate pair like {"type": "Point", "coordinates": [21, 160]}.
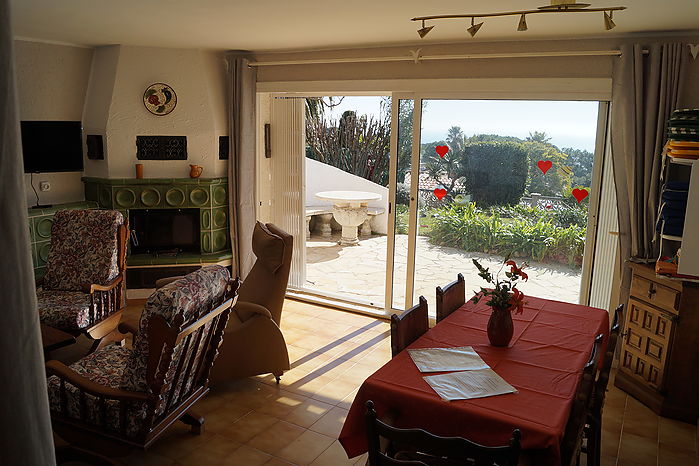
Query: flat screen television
{"type": "Point", "coordinates": [52, 146]}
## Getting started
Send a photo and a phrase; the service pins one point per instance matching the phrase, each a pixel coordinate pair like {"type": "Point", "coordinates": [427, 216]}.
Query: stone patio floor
{"type": "Point", "coordinates": [358, 272]}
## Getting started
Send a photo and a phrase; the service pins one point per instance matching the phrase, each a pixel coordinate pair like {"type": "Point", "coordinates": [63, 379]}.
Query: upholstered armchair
{"type": "Point", "coordinates": [133, 395]}
{"type": "Point", "coordinates": [254, 343]}
{"type": "Point", "coordinates": [82, 291]}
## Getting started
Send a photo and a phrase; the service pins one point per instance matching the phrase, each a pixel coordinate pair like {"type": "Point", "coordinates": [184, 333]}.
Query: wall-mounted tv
{"type": "Point", "coordinates": [52, 146]}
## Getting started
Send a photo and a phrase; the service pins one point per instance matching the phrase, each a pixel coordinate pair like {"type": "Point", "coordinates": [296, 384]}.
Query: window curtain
{"type": "Point", "coordinates": [26, 437]}
{"type": "Point", "coordinates": [645, 91]}
{"type": "Point", "coordinates": [241, 164]}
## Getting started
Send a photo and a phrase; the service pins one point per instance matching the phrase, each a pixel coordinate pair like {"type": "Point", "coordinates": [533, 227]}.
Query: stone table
{"type": "Point", "coordinates": [349, 210]}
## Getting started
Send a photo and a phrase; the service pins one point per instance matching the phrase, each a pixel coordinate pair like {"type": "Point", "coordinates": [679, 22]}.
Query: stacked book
{"type": "Point", "coordinates": [683, 134]}
{"type": "Point", "coordinates": [673, 205]}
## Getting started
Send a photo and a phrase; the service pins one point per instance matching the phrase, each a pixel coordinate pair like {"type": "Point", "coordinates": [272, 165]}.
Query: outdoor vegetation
{"type": "Point", "coordinates": [488, 180]}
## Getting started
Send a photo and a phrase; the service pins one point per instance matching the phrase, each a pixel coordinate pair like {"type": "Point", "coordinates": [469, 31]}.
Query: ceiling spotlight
{"type": "Point", "coordinates": [608, 22]}
{"type": "Point", "coordinates": [474, 27]}
{"type": "Point", "coordinates": [422, 32]}
{"type": "Point", "coordinates": [522, 24]}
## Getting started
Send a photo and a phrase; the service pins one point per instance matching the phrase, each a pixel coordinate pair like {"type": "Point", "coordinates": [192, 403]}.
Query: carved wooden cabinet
{"type": "Point", "coordinates": [659, 360]}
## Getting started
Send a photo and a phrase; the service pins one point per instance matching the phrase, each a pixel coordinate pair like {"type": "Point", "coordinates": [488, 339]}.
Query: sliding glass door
{"type": "Point", "coordinates": [392, 196]}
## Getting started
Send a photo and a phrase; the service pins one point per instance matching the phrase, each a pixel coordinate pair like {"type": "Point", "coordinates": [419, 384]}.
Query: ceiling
{"type": "Point", "coordinates": [265, 25]}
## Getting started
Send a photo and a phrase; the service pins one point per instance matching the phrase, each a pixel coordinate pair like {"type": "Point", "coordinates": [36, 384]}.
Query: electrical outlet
{"type": "Point", "coordinates": [44, 186]}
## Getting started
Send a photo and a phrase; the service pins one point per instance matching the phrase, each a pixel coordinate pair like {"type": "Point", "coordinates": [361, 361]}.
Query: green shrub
{"type": "Point", "coordinates": [496, 172]}
{"type": "Point", "coordinates": [522, 231]}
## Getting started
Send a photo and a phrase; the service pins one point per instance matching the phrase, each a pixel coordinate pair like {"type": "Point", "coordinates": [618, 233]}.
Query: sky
{"type": "Point", "coordinates": [567, 123]}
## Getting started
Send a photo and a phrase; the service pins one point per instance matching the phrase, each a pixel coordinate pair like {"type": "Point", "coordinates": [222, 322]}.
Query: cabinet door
{"type": "Point", "coordinates": [648, 339]}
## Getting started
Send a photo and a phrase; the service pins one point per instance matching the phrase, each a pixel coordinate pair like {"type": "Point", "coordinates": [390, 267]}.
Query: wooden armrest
{"type": "Point", "coordinates": [91, 288]}
{"type": "Point", "coordinates": [64, 372]}
{"type": "Point", "coordinates": [125, 327]}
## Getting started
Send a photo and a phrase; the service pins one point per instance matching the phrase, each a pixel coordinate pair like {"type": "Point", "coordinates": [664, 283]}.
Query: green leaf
{"type": "Point", "coordinates": [160, 109]}
{"type": "Point", "coordinates": [150, 92]}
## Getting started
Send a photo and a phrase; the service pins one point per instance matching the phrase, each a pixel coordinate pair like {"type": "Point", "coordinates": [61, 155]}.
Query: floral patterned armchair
{"type": "Point", "coordinates": [82, 291]}
{"type": "Point", "coordinates": [133, 395]}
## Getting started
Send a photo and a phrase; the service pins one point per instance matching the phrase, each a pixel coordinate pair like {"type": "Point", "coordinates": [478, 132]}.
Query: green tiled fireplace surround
{"type": "Point", "coordinates": [40, 221]}
{"type": "Point", "coordinates": [209, 195]}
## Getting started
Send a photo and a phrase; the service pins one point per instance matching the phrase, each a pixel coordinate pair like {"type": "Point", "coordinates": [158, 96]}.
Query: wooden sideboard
{"type": "Point", "coordinates": [659, 360]}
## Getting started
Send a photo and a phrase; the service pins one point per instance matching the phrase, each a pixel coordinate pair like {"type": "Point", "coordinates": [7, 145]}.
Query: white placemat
{"type": "Point", "coordinates": [469, 384]}
{"type": "Point", "coordinates": [463, 358]}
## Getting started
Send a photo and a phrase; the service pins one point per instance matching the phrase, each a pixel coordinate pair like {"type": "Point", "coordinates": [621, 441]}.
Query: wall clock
{"type": "Point", "coordinates": [160, 99]}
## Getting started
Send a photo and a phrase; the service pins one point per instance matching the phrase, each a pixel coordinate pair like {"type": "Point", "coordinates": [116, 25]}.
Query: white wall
{"type": "Point", "coordinates": [323, 177]}
{"type": "Point", "coordinates": [51, 85]}
{"type": "Point", "coordinates": [198, 78]}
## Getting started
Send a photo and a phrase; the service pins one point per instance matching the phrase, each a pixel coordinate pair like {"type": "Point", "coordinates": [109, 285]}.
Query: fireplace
{"type": "Point", "coordinates": [164, 231]}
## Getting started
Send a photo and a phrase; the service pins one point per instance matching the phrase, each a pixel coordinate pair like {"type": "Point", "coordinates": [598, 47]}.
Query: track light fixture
{"type": "Point", "coordinates": [423, 31]}
{"type": "Point", "coordinates": [474, 27]}
{"type": "Point", "coordinates": [608, 22]}
{"type": "Point", "coordinates": [556, 6]}
{"type": "Point", "coordinates": [522, 26]}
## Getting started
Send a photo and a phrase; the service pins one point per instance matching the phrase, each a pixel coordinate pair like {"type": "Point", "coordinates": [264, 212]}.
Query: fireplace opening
{"type": "Point", "coordinates": [164, 231]}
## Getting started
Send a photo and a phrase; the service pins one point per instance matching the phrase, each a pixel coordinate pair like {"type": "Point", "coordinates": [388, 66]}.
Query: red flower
{"type": "Point", "coordinates": [517, 270]}
{"type": "Point", "coordinates": [517, 301]}
{"type": "Point", "coordinates": [153, 100]}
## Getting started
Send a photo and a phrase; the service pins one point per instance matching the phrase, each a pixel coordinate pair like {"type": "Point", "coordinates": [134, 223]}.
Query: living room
{"type": "Point", "coordinates": [190, 182]}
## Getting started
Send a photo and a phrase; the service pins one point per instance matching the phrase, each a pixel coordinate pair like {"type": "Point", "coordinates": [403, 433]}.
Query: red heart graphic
{"type": "Point", "coordinates": [442, 151]}
{"type": "Point", "coordinates": [440, 193]}
{"type": "Point", "coordinates": [544, 165]}
{"type": "Point", "coordinates": [580, 194]}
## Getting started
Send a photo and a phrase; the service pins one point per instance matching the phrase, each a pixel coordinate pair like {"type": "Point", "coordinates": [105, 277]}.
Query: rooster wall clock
{"type": "Point", "coordinates": [160, 99]}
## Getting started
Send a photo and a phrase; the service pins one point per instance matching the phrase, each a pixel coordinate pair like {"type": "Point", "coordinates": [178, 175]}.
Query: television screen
{"type": "Point", "coordinates": [52, 146]}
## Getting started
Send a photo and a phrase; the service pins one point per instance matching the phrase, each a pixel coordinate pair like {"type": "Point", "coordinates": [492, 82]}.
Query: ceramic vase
{"type": "Point", "coordinates": [195, 171]}
{"type": "Point", "coordinates": [500, 327]}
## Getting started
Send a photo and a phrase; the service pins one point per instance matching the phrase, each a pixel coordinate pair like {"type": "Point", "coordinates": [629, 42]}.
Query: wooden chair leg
{"type": "Point", "coordinates": [195, 421]}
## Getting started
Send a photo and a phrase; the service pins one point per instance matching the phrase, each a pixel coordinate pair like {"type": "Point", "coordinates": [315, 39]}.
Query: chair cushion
{"type": "Point", "coordinates": [268, 247]}
{"type": "Point", "coordinates": [66, 310]}
{"type": "Point", "coordinates": [105, 367]}
{"type": "Point", "coordinates": [84, 249]}
{"type": "Point", "coordinates": [187, 298]}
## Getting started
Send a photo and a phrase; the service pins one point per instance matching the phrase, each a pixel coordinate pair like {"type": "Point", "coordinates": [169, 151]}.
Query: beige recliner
{"type": "Point", "coordinates": [253, 343]}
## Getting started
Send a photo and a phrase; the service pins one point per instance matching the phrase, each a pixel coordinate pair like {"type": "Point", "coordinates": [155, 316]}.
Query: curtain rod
{"type": "Point", "coordinates": [417, 57]}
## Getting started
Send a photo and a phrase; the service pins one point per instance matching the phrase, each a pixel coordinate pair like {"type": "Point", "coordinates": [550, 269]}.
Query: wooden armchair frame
{"type": "Point", "coordinates": [408, 326]}
{"type": "Point", "coordinates": [429, 449]}
{"type": "Point", "coordinates": [451, 297]}
{"type": "Point", "coordinates": [106, 301]}
{"type": "Point", "coordinates": [162, 396]}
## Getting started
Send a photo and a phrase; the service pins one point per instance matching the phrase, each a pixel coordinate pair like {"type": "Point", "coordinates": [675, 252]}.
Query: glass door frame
{"type": "Point", "coordinates": [418, 98]}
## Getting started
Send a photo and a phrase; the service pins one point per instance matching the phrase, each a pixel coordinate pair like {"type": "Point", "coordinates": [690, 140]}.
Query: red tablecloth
{"type": "Point", "coordinates": [551, 343]}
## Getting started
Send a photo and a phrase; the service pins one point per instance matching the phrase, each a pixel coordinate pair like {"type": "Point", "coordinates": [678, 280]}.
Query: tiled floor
{"type": "Point", "coordinates": [254, 421]}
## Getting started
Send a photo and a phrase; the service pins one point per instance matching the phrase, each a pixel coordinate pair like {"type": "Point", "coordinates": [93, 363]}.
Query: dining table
{"type": "Point", "coordinates": [551, 343]}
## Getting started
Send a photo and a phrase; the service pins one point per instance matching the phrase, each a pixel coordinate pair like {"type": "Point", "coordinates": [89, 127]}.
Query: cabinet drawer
{"type": "Point", "coordinates": [653, 293]}
{"type": "Point", "coordinates": [648, 339]}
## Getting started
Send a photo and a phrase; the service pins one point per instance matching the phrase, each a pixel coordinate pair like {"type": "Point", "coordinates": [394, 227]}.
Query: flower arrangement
{"type": "Point", "coordinates": [504, 295]}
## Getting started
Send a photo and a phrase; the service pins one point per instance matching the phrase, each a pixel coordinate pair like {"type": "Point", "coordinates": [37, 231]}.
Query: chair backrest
{"type": "Point", "coordinates": [408, 326]}
{"type": "Point", "coordinates": [600, 390]}
{"type": "Point", "coordinates": [85, 249]}
{"type": "Point", "coordinates": [178, 335]}
{"type": "Point", "coordinates": [451, 297]}
{"type": "Point", "coordinates": [424, 448]}
{"type": "Point", "coordinates": [572, 437]}
{"type": "Point", "coordinates": [267, 281]}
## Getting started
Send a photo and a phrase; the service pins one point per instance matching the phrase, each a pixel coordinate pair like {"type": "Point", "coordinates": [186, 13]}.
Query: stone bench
{"type": "Point", "coordinates": [325, 214]}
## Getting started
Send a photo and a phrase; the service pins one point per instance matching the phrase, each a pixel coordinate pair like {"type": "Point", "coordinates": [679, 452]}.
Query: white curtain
{"type": "Point", "coordinates": [241, 164]}
{"type": "Point", "coordinates": [26, 437]}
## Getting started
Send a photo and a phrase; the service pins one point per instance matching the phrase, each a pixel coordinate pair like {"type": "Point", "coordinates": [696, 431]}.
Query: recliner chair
{"type": "Point", "coordinates": [253, 342]}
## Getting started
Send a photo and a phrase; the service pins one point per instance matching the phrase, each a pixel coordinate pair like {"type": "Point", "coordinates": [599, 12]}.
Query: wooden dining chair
{"type": "Point", "coordinates": [451, 297]}
{"type": "Point", "coordinates": [424, 448]}
{"type": "Point", "coordinates": [593, 427]}
{"type": "Point", "coordinates": [571, 445]}
{"type": "Point", "coordinates": [408, 326]}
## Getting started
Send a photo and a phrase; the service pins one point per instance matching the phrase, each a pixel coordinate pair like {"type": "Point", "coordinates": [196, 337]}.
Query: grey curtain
{"type": "Point", "coordinates": [645, 91]}
{"type": "Point", "coordinates": [241, 164]}
{"type": "Point", "coordinates": [26, 434]}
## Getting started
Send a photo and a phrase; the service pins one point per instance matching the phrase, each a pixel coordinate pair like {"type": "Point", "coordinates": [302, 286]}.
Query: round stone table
{"type": "Point", "coordinates": [349, 210]}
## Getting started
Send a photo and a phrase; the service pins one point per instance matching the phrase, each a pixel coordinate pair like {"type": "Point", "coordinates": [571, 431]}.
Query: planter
{"type": "Point", "coordinates": [500, 327]}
